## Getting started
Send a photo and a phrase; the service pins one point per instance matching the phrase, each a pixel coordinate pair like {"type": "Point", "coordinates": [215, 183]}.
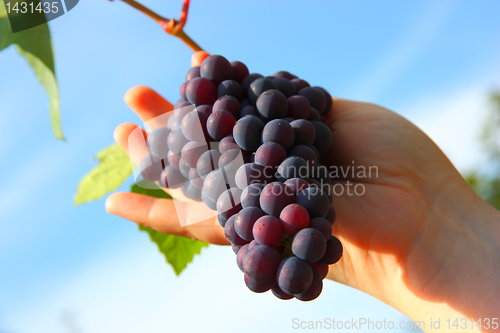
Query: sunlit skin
{"type": "Point", "coordinates": [419, 238]}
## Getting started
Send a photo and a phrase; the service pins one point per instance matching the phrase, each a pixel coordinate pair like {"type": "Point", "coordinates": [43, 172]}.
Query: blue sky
{"type": "Point", "coordinates": [431, 61]}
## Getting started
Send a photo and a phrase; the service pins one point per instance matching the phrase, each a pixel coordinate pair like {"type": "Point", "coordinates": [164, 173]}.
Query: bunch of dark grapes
{"type": "Point", "coordinates": [248, 146]}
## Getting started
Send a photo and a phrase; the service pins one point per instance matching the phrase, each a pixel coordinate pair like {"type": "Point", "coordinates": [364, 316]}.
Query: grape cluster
{"type": "Point", "coordinates": [248, 146]}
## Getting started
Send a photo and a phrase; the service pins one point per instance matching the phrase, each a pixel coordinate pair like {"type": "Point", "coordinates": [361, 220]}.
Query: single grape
{"type": "Point", "coordinates": [315, 97]}
{"type": "Point", "coordinates": [229, 203]}
{"type": "Point", "coordinates": [216, 68]}
{"type": "Point", "coordinates": [209, 203]}
{"type": "Point", "coordinates": [182, 90]}
{"type": "Point", "coordinates": [215, 184]}
{"type": "Point", "coordinates": [247, 132]}
{"type": "Point", "coordinates": [294, 218]}
{"type": "Point", "coordinates": [279, 131]}
{"type": "Point", "coordinates": [157, 142]}
{"type": "Point", "coordinates": [329, 101]}
{"type": "Point", "coordinates": [314, 289]}
{"type": "Point", "coordinates": [292, 167]}
{"type": "Point", "coordinates": [297, 184]}
{"type": "Point", "coordinates": [323, 138]}
{"type": "Point", "coordinates": [251, 195]}
{"type": "Point", "coordinates": [280, 293]}
{"type": "Point", "coordinates": [258, 86]}
{"type": "Point", "coordinates": [261, 263]}
{"type": "Point", "coordinates": [245, 221]}
{"type": "Point", "coordinates": [321, 268]}
{"type": "Point", "coordinates": [228, 103]}
{"type": "Point", "coordinates": [251, 173]}
{"type": "Point", "coordinates": [171, 122]}
{"type": "Point", "coordinates": [230, 88]}
{"type": "Point", "coordinates": [192, 73]}
{"type": "Point", "coordinates": [180, 104]}
{"type": "Point", "coordinates": [309, 245]}
{"type": "Point", "coordinates": [272, 104]}
{"type": "Point", "coordinates": [232, 160]}
{"type": "Point", "coordinates": [322, 225]}
{"type": "Point", "coordinates": [299, 107]}
{"type": "Point", "coordinates": [220, 124]}
{"type": "Point", "coordinates": [231, 234]}
{"type": "Point", "coordinates": [208, 162]}
{"type": "Point", "coordinates": [270, 155]}
{"type": "Point", "coordinates": [240, 71]}
{"type": "Point", "coordinates": [236, 248]}
{"type": "Point", "coordinates": [192, 151]}
{"type": "Point", "coordinates": [194, 126]}
{"type": "Point", "coordinates": [294, 275]}
{"type": "Point", "coordinates": [268, 230]}
{"type": "Point", "coordinates": [333, 251]}
{"type": "Point", "coordinates": [245, 84]}
{"type": "Point", "coordinates": [171, 178]}
{"type": "Point", "coordinates": [240, 255]}
{"type": "Point", "coordinates": [190, 191]}
{"type": "Point", "coordinates": [151, 167]}
{"type": "Point", "coordinates": [314, 115]}
{"type": "Point", "coordinates": [227, 143]}
{"type": "Point", "coordinates": [173, 160]}
{"type": "Point", "coordinates": [221, 219]}
{"type": "Point", "coordinates": [299, 84]}
{"type": "Point", "coordinates": [331, 215]}
{"type": "Point", "coordinates": [314, 200]}
{"type": "Point", "coordinates": [274, 197]}
{"type": "Point", "coordinates": [285, 75]}
{"type": "Point", "coordinates": [176, 140]}
{"type": "Point", "coordinates": [201, 91]}
{"type": "Point", "coordinates": [249, 110]}
{"type": "Point", "coordinates": [285, 86]}
{"type": "Point", "coordinates": [195, 178]}
{"type": "Point", "coordinates": [258, 287]}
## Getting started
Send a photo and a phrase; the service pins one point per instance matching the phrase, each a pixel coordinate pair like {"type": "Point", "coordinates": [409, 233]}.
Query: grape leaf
{"type": "Point", "coordinates": [113, 169]}
{"type": "Point", "coordinates": [35, 45]}
{"type": "Point", "coordinates": [178, 251]}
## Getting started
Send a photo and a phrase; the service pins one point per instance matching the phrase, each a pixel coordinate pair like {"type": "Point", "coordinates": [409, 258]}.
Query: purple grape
{"type": "Point", "coordinates": [284, 74]}
{"type": "Point", "coordinates": [322, 225]}
{"type": "Point", "coordinates": [245, 221]}
{"type": "Point", "coordinates": [279, 131]}
{"type": "Point", "coordinates": [333, 251]}
{"type": "Point", "coordinates": [329, 101]}
{"type": "Point", "coordinates": [208, 162]}
{"type": "Point", "coordinates": [304, 132]}
{"type": "Point", "coordinates": [294, 275]}
{"type": "Point", "coordinates": [194, 126]}
{"type": "Point", "coordinates": [240, 71]}
{"type": "Point", "coordinates": [258, 287]}
{"type": "Point", "coordinates": [292, 167]}
{"type": "Point", "coordinates": [228, 103]}
{"type": "Point", "coordinates": [297, 184]}
{"type": "Point", "coordinates": [216, 68]}
{"type": "Point", "coordinates": [258, 86]}
{"type": "Point", "coordinates": [298, 107]}
{"type": "Point", "coordinates": [251, 195]}
{"type": "Point", "coordinates": [309, 245]}
{"type": "Point", "coordinates": [274, 197]}
{"type": "Point", "coordinates": [184, 168]}
{"type": "Point", "coordinates": [261, 263]}
{"type": "Point", "coordinates": [247, 132]}
{"type": "Point", "coordinates": [272, 104]}
{"type": "Point", "coordinates": [236, 248]}
{"type": "Point", "coordinates": [306, 153]}
{"type": "Point", "coordinates": [315, 97]}
{"type": "Point", "coordinates": [314, 115]}
{"type": "Point", "coordinates": [192, 73]}
{"type": "Point", "coordinates": [227, 143]}
{"type": "Point", "coordinates": [195, 178]}
{"type": "Point", "coordinates": [230, 88]}
{"type": "Point", "coordinates": [172, 178]}
{"type": "Point", "coordinates": [171, 122]}
{"type": "Point", "coordinates": [280, 293]}
{"type": "Point", "coordinates": [314, 289]}
{"type": "Point", "coordinates": [245, 84]}
{"type": "Point", "coordinates": [270, 155]}
{"type": "Point", "coordinates": [240, 255]}
{"type": "Point", "coordinates": [249, 110]}
{"type": "Point", "coordinates": [182, 90]}
{"type": "Point", "coordinates": [209, 203]}
{"type": "Point", "coordinates": [321, 268]}
{"type": "Point", "coordinates": [251, 173]}
{"type": "Point", "coordinates": [294, 218]}
{"type": "Point", "coordinates": [176, 140]}
{"type": "Point", "coordinates": [331, 215]}
{"type": "Point", "coordinates": [220, 124]}
{"type": "Point", "coordinates": [231, 234]}
{"type": "Point", "coordinates": [173, 160]}
{"type": "Point", "coordinates": [323, 138]}
{"type": "Point", "coordinates": [229, 203]}
{"type": "Point", "coordinates": [314, 200]}
{"type": "Point", "coordinates": [151, 167]}
{"type": "Point", "coordinates": [232, 160]}
{"type": "Point", "coordinates": [190, 191]}
{"type": "Point", "coordinates": [268, 230]}
{"type": "Point", "coordinates": [299, 84]}
{"type": "Point", "coordinates": [215, 184]}
{"type": "Point", "coordinates": [181, 104]}
{"type": "Point", "coordinates": [192, 151]}
{"type": "Point", "coordinates": [157, 142]}
{"type": "Point", "coordinates": [285, 86]}
{"type": "Point", "coordinates": [201, 91]}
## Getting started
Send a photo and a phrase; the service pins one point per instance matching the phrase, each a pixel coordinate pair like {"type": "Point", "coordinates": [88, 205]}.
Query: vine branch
{"type": "Point", "coordinates": [170, 26]}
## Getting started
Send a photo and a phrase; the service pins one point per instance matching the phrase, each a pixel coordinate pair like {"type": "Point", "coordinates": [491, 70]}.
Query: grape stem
{"type": "Point", "coordinates": [170, 26]}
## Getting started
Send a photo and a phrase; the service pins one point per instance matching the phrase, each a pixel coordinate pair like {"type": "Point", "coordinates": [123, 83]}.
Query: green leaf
{"type": "Point", "coordinates": [178, 251]}
{"type": "Point", "coordinates": [35, 45]}
{"type": "Point", "coordinates": [113, 169]}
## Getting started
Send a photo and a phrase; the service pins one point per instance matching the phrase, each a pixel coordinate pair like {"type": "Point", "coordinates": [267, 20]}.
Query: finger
{"type": "Point", "coordinates": [161, 215]}
{"type": "Point", "coordinates": [132, 140]}
{"type": "Point", "coordinates": [148, 105]}
{"type": "Point", "coordinates": [198, 58]}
